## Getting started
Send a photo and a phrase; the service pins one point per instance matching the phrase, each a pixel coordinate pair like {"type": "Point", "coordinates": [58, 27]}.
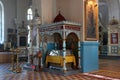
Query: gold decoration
{"type": "Point", "coordinates": [12, 68]}
{"type": "Point", "coordinates": [18, 68]}
{"type": "Point", "coordinates": [113, 21]}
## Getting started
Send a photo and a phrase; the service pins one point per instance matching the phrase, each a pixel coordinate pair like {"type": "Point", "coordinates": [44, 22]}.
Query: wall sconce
{"type": "Point", "coordinates": [96, 5]}
{"type": "Point", "coordinates": [92, 2]}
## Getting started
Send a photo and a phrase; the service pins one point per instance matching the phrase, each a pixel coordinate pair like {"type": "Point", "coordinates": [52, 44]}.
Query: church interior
{"type": "Point", "coordinates": [59, 39]}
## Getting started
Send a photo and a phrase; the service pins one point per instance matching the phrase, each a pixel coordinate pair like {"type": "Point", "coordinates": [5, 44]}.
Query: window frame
{"type": "Point", "coordinates": [2, 23]}
{"type": "Point", "coordinates": [29, 17]}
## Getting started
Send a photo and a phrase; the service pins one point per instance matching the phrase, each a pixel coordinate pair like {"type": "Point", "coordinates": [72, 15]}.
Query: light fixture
{"type": "Point", "coordinates": [90, 2]}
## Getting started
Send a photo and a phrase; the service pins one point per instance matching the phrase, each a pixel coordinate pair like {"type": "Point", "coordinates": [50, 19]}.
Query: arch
{"type": "Point", "coordinates": [72, 44]}
{"type": "Point", "coordinates": [76, 33]}
{"type": "Point", "coordinates": [58, 41]}
{"type": "Point", "coordinates": [1, 22]}
{"type": "Point", "coordinates": [71, 39]}
{"type": "Point", "coordinates": [29, 14]}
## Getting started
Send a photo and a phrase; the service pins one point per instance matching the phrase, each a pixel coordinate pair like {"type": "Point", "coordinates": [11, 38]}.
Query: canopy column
{"type": "Point", "coordinates": [64, 48]}
{"type": "Point", "coordinates": [79, 62]}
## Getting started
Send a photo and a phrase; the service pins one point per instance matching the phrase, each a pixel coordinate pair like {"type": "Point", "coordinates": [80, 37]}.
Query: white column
{"type": "Point", "coordinates": [79, 62]}
{"type": "Point", "coordinates": [41, 62]}
{"type": "Point", "coordinates": [64, 50]}
{"type": "Point", "coordinates": [28, 52]}
{"type": "Point", "coordinates": [30, 48]}
{"type": "Point", "coordinates": [39, 45]}
{"type": "Point", "coordinates": [37, 39]}
{"type": "Point", "coordinates": [41, 48]}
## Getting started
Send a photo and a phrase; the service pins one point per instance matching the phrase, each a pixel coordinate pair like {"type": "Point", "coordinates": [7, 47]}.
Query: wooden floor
{"type": "Point", "coordinates": [111, 65]}
{"type": "Point", "coordinates": [109, 70]}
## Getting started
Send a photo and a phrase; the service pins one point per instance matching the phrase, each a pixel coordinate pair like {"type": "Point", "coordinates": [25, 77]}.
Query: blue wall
{"type": "Point", "coordinates": [89, 56]}
{"type": "Point", "coordinates": [50, 46]}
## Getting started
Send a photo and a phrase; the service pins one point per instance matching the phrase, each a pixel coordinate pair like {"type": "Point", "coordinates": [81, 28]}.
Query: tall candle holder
{"type": "Point", "coordinates": [15, 68]}
{"type": "Point", "coordinates": [12, 68]}
{"type": "Point", "coordinates": [18, 68]}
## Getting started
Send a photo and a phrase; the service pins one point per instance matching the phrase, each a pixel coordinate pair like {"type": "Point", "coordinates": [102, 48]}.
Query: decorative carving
{"type": "Point", "coordinates": [59, 18]}
{"type": "Point", "coordinates": [114, 38]}
{"type": "Point", "coordinates": [113, 21]}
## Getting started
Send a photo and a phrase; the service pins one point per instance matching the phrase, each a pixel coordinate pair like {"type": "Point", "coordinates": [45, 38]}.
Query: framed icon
{"type": "Point", "coordinates": [91, 20]}
{"type": "Point", "coordinates": [114, 38]}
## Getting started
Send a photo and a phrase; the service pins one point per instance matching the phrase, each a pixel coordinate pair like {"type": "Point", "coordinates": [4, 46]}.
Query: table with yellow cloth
{"type": "Point", "coordinates": [60, 59]}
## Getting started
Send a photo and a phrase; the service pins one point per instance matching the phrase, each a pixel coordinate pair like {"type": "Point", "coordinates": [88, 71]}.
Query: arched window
{"type": "Point", "coordinates": [29, 14]}
{"type": "Point", "coordinates": [1, 22]}
{"type": "Point", "coordinates": [29, 17]}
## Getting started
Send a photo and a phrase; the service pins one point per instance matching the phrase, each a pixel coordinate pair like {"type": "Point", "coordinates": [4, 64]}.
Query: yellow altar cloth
{"type": "Point", "coordinates": [60, 59]}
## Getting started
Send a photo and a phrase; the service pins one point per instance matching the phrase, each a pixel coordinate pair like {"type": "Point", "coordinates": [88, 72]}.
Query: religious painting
{"type": "Point", "coordinates": [114, 49]}
{"type": "Point", "coordinates": [7, 46]}
{"type": "Point", "coordinates": [91, 20]}
{"type": "Point", "coordinates": [10, 30]}
{"type": "Point", "coordinates": [23, 41]}
{"type": "Point", "coordinates": [13, 39]}
{"type": "Point", "coordinates": [114, 38]}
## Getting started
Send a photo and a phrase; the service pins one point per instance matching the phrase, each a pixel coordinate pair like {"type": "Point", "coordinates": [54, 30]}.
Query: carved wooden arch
{"type": "Point", "coordinates": [72, 43]}
{"type": "Point", "coordinates": [71, 39]}
{"type": "Point", "coordinates": [58, 40]}
{"type": "Point", "coordinates": [75, 32]}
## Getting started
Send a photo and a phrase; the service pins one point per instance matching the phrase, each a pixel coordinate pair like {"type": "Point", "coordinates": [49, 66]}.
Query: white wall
{"type": "Point", "coordinates": [47, 7]}
{"type": "Point", "coordinates": [9, 14]}
{"type": "Point", "coordinates": [113, 9]}
{"type": "Point", "coordinates": [72, 10]}
{"type": "Point", "coordinates": [103, 12]}
{"type": "Point", "coordinates": [14, 9]}
{"type": "Point", "coordinates": [22, 6]}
